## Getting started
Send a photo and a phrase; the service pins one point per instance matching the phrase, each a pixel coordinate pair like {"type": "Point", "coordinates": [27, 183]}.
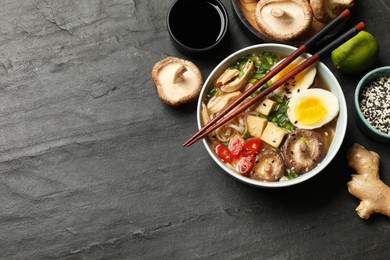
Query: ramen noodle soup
{"type": "Point", "coordinates": [281, 137]}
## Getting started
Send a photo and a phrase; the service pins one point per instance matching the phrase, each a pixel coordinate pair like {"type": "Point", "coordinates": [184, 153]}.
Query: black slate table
{"type": "Point", "coordinates": [91, 163]}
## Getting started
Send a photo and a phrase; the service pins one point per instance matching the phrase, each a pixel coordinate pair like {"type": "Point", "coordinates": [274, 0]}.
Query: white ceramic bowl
{"type": "Point", "coordinates": [331, 82]}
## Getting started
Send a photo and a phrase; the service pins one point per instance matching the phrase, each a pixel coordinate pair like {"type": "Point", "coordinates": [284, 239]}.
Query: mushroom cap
{"type": "Point", "coordinates": [178, 81]}
{"type": "Point", "coordinates": [303, 150]}
{"type": "Point", "coordinates": [284, 20]}
{"type": "Point", "coordinates": [326, 10]}
{"type": "Point", "coordinates": [335, 7]}
{"type": "Point", "coordinates": [319, 11]}
{"type": "Point", "coordinates": [269, 166]}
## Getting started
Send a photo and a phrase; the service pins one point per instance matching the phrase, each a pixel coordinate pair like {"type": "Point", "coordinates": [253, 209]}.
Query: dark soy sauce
{"type": "Point", "coordinates": [197, 23]}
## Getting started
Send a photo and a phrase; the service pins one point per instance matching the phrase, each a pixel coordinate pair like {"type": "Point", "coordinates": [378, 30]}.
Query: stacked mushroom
{"type": "Point", "coordinates": [286, 20]}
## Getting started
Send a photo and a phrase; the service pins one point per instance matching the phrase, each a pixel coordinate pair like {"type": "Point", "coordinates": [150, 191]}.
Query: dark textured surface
{"type": "Point", "coordinates": [91, 164]}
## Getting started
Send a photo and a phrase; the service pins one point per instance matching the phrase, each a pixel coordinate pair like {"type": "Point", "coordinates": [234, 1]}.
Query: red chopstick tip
{"type": "Point", "coordinates": [345, 13]}
{"type": "Point", "coordinates": [360, 26]}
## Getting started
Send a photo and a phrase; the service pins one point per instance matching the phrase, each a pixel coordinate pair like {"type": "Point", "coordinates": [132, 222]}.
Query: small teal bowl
{"type": "Point", "coordinates": [362, 122]}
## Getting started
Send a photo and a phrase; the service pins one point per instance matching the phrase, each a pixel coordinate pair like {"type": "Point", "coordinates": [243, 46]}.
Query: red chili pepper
{"type": "Point", "coordinates": [251, 146]}
{"type": "Point", "coordinates": [235, 146]}
{"type": "Point", "coordinates": [223, 153]}
{"type": "Point", "coordinates": [246, 164]}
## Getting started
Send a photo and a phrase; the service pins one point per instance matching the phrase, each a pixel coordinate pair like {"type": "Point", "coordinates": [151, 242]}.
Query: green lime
{"type": "Point", "coordinates": [357, 54]}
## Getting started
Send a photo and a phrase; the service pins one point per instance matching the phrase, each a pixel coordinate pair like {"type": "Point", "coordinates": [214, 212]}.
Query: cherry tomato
{"type": "Point", "coordinates": [251, 146]}
{"type": "Point", "coordinates": [245, 164]}
{"type": "Point", "coordinates": [223, 153]}
{"type": "Point", "coordinates": [235, 146]}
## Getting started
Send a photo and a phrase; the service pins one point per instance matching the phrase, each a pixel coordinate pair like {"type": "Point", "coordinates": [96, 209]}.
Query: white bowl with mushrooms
{"type": "Point", "coordinates": [287, 138]}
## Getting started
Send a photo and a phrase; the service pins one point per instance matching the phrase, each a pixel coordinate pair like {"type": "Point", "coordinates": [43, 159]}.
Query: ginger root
{"type": "Point", "coordinates": [366, 185]}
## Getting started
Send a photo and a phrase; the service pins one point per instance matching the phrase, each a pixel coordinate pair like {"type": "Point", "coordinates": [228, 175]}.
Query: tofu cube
{"type": "Point", "coordinates": [273, 135]}
{"type": "Point", "coordinates": [266, 107]}
{"type": "Point", "coordinates": [256, 125]}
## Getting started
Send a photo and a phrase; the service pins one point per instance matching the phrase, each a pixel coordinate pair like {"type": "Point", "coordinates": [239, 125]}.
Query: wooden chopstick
{"type": "Point", "coordinates": [315, 57]}
{"type": "Point", "coordinates": [309, 43]}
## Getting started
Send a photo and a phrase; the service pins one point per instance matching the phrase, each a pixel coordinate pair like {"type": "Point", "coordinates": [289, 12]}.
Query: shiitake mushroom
{"type": "Point", "coordinates": [269, 166]}
{"type": "Point", "coordinates": [303, 149]}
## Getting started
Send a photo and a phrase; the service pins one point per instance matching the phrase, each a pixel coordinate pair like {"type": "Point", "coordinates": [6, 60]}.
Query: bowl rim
{"type": "Point", "coordinates": [367, 78]}
{"type": "Point", "coordinates": [198, 50]}
{"type": "Point", "coordinates": [341, 125]}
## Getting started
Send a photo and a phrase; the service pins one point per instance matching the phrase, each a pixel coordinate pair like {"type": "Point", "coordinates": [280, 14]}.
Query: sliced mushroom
{"type": "Point", "coordinates": [205, 114]}
{"type": "Point", "coordinates": [227, 76]}
{"type": "Point", "coordinates": [326, 10]}
{"type": "Point", "coordinates": [177, 81]}
{"type": "Point", "coordinates": [205, 119]}
{"type": "Point", "coordinates": [218, 103]}
{"type": "Point", "coordinates": [241, 79]}
{"type": "Point", "coordinates": [284, 20]}
{"type": "Point", "coordinates": [303, 150]}
{"type": "Point", "coordinates": [269, 166]}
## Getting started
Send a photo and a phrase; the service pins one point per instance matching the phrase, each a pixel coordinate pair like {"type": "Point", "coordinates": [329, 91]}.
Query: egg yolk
{"type": "Point", "coordinates": [292, 82]}
{"type": "Point", "coordinates": [310, 110]}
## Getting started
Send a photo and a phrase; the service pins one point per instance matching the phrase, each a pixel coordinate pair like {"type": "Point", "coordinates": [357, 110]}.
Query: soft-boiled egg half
{"type": "Point", "coordinates": [312, 108]}
{"type": "Point", "coordinates": [301, 81]}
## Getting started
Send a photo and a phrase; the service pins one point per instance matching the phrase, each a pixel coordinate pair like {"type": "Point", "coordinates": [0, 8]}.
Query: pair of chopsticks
{"type": "Point", "coordinates": [219, 120]}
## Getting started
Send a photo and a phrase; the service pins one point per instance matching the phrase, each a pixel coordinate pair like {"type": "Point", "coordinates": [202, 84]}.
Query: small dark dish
{"type": "Point", "coordinates": [368, 82]}
{"type": "Point", "coordinates": [197, 26]}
